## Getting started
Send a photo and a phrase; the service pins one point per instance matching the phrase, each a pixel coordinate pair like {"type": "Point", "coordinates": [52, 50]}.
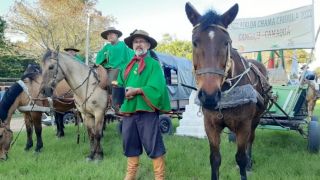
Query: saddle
{"type": "Point", "coordinates": [106, 76]}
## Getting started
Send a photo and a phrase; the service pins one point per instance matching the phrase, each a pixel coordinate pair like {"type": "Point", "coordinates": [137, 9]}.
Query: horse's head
{"type": "Point", "coordinates": [32, 72]}
{"type": "Point", "coordinates": [51, 72]}
{"type": "Point", "coordinates": [211, 52]}
{"type": "Point", "coordinates": [6, 137]}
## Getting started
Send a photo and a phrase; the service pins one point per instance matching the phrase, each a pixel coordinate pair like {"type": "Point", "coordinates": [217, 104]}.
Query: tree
{"type": "Point", "coordinates": [56, 22]}
{"type": "Point", "coordinates": [170, 45]}
{"type": "Point", "coordinates": [2, 28]}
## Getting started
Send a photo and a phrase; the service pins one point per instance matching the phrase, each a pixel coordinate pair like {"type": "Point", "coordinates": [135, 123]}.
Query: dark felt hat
{"type": "Point", "coordinates": [71, 49]}
{"type": "Point", "coordinates": [105, 33]}
{"type": "Point", "coordinates": [143, 34]}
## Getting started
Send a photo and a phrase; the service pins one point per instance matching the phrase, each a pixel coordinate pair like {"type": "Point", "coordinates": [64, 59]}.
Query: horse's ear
{"type": "Point", "coordinates": [192, 14]}
{"type": "Point", "coordinates": [230, 15]}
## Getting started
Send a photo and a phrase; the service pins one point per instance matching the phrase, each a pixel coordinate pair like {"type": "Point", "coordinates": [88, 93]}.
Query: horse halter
{"type": "Point", "coordinates": [54, 81]}
{"type": "Point", "coordinates": [222, 72]}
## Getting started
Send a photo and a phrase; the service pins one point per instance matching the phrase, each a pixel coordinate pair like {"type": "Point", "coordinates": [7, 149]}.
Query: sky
{"type": "Point", "coordinates": [159, 17]}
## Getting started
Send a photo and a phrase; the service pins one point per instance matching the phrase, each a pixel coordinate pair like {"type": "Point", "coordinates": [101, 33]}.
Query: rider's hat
{"type": "Point", "coordinates": [105, 33]}
{"type": "Point", "coordinates": [140, 33]}
{"type": "Point", "coordinates": [71, 49]}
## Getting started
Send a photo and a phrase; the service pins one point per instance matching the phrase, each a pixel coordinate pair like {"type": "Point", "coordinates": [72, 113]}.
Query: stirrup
{"type": "Point", "coordinates": [110, 111]}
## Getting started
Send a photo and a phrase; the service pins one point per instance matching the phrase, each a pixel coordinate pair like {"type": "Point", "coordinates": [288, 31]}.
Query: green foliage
{"type": "Point", "coordinates": [13, 66]}
{"type": "Point", "coordinates": [2, 28]}
{"type": "Point", "coordinates": [175, 47]}
{"type": "Point", "coordinates": [44, 24]}
{"type": "Point", "coordinates": [317, 71]}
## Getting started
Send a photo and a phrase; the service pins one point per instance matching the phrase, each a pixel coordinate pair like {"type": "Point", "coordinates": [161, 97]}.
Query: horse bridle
{"type": "Point", "coordinates": [221, 72]}
{"type": "Point", "coordinates": [54, 82]}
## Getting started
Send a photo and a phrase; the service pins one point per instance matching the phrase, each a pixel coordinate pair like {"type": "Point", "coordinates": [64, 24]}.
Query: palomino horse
{"type": "Point", "coordinates": [91, 100]}
{"type": "Point", "coordinates": [219, 69]}
{"type": "Point", "coordinates": [31, 79]}
{"type": "Point", "coordinates": [312, 96]}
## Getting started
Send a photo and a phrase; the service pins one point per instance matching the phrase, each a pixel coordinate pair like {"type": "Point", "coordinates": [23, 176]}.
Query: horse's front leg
{"type": "Point", "coordinates": [99, 124]}
{"type": "Point", "coordinates": [29, 129]}
{"type": "Point", "coordinates": [213, 133]}
{"type": "Point", "coordinates": [59, 122]}
{"type": "Point", "coordinates": [242, 136]}
{"type": "Point", "coordinates": [250, 143]}
{"type": "Point", "coordinates": [36, 116]}
{"type": "Point", "coordinates": [89, 122]}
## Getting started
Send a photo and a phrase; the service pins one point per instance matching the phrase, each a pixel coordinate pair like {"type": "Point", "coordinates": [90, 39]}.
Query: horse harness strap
{"type": "Point", "coordinates": [210, 71]}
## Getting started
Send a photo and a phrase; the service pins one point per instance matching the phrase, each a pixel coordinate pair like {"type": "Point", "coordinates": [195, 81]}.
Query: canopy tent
{"type": "Point", "coordinates": [177, 71]}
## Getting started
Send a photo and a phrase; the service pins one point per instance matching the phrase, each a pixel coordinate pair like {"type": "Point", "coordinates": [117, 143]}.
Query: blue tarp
{"type": "Point", "coordinates": [183, 67]}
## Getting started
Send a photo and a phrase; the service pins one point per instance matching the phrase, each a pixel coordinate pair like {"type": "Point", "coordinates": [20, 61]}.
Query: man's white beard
{"type": "Point", "coordinates": [140, 52]}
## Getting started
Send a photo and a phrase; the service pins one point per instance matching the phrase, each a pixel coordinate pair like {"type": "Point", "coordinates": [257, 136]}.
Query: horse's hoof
{"type": "Point", "coordinates": [27, 148]}
{"type": "Point", "coordinates": [97, 161]}
{"type": "Point", "coordinates": [98, 157]}
{"type": "Point", "coordinates": [89, 159]}
{"type": "Point", "coordinates": [37, 151]}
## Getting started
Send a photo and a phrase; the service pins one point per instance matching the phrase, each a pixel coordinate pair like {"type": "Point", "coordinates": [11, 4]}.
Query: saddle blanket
{"type": "Point", "coordinates": [237, 96]}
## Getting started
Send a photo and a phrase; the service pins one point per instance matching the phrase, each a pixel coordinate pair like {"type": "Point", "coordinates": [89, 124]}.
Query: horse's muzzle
{"type": "Point", "coordinates": [209, 101]}
{"type": "Point", "coordinates": [47, 91]}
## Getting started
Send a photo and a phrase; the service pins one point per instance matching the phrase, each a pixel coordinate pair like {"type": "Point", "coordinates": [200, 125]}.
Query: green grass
{"type": "Point", "coordinates": [277, 155]}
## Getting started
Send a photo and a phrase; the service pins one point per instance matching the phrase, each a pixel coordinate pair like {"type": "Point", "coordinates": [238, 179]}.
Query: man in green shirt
{"type": "Point", "coordinates": [74, 53]}
{"type": "Point", "coordinates": [146, 96]}
{"type": "Point", "coordinates": [115, 53]}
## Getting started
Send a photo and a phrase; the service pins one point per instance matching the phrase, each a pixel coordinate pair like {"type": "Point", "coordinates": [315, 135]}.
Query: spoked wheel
{"type": "Point", "coordinates": [314, 135]}
{"type": "Point", "coordinates": [165, 124]}
{"type": "Point", "coordinates": [68, 118]}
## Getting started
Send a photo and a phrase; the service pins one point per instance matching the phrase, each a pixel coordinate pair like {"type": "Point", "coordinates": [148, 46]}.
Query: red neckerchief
{"type": "Point", "coordinates": [141, 65]}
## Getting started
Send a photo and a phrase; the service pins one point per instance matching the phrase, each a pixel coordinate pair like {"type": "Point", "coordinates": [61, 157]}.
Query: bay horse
{"type": "Point", "coordinates": [31, 80]}
{"type": "Point", "coordinates": [219, 68]}
{"type": "Point", "coordinates": [90, 99]}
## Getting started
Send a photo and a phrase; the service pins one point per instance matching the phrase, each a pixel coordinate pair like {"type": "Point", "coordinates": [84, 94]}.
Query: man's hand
{"type": "Point", "coordinates": [131, 92]}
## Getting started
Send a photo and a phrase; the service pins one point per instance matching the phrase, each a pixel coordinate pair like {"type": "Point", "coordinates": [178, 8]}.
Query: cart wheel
{"type": "Point", "coordinates": [313, 137]}
{"type": "Point", "coordinates": [165, 124]}
{"type": "Point", "coordinates": [232, 136]}
{"type": "Point", "coordinates": [68, 118]}
{"type": "Point", "coordinates": [119, 127]}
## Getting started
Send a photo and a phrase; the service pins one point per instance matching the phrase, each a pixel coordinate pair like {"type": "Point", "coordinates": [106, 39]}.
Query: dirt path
{"type": "Point", "coordinates": [18, 123]}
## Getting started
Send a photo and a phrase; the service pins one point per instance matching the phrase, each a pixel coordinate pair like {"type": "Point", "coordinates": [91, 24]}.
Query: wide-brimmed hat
{"type": "Point", "coordinates": [105, 33]}
{"type": "Point", "coordinates": [71, 49]}
{"type": "Point", "coordinates": [143, 34]}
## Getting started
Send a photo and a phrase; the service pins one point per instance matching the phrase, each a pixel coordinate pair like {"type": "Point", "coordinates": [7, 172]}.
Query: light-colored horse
{"type": "Point", "coordinates": [91, 100]}
{"type": "Point", "coordinates": [312, 96]}
{"type": "Point", "coordinates": [25, 100]}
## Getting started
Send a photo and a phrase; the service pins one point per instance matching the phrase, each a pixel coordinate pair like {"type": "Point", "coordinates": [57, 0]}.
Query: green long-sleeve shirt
{"type": "Point", "coordinates": [114, 56]}
{"type": "Point", "coordinates": [79, 58]}
{"type": "Point", "coordinates": [152, 83]}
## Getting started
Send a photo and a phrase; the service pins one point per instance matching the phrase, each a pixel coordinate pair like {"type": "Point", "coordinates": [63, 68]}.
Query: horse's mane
{"type": "Point", "coordinates": [32, 72]}
{"type": "Point", "coordinates": [46, 55]}
{"type": "Point", "coordinates": [209, 18]}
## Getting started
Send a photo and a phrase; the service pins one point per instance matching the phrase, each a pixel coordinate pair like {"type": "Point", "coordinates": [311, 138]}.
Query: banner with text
{"type": "Point", "coordinates": [291, 29]}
